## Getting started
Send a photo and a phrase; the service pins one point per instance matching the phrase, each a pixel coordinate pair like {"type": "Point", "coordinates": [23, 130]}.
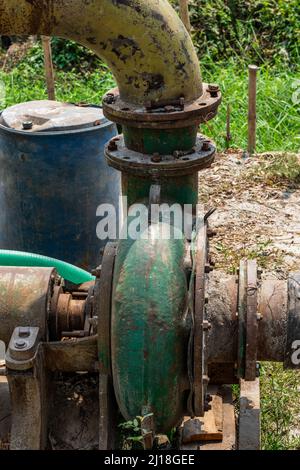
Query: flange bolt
{"type": "Point", "coordinates": [156, 158]}
{"type": "Point", "coordinates": [20, 344]}
{"type": "Point", "coordinates": [112, 146]}
{"type": "Point", "coordinates": [205, 145]}
{"type": "Point", "coordinates": [213, 89]}
{"type": "Point", "coordinates": [206, 325]}
{"type": "Point", "coordinates": [109, 98]}
{"type": "Point", "coordinates": [27, 125]}
{"type": "Point", "coordinates": [208, 268]}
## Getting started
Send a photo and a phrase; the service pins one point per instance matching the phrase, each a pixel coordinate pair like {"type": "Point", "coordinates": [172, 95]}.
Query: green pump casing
{"type": "Point", "coordinates": [149, 333]}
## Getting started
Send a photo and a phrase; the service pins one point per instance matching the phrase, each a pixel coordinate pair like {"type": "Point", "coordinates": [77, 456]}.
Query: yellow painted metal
{"type": "Point", "coordinates": [143, 41]}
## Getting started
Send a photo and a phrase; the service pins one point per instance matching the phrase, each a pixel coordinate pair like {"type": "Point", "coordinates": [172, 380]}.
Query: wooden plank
{"type": "Point", "coordinates": [249, 417]}
{"type": "Point", "coordinates": [228, 424]}
{"type": "Point", "coordinates": [206, 428]}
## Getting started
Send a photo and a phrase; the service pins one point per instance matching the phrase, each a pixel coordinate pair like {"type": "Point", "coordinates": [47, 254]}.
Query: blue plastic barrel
{"type": "Point", "coordinates": [53, 176]}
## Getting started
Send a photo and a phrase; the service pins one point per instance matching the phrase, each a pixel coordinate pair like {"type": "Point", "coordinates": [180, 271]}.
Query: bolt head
{"type": "Point", "coordinates": [156, 158]}
{"type": "Point", "coordinates": [27, 125]}
{"type": "Point", "coordinates": [213, 87]}
{"type": "Point", "coordinates": [24, 332]}
{"type": "Point", "coordinates": [20, 344]}
{"type": "Point", "coordinates": [205, 379]}
{"type": "Point", "coordinates": [112, 146]}
{"type": "Point", "coordinates": [97, 272]}
{"type": "Point", "coordinates": [208, 268]}
{"type": "Point", "coordinates": [109, 98]}
{"type": "Point", "coordinates": [205, 145]}
{"type": "Point", "coordinates": [206, 325]}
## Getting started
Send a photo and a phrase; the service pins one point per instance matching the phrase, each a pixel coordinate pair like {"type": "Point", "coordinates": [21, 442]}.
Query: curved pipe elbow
{"type": "Point", "coordinates": [144, 42]}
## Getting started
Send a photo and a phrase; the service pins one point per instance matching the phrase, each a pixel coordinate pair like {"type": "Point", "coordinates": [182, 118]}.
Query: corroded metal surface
{"type": "Point", "coordinates": [143, 41]}
{"type": "Point", "coordinates": [103, 302]}
{"type": "Point", "coordinates": [25, 295]}
{"type": "Point", "coordinates": [29, 405]}
{"type": "Point", "coordinates": [225, 346]}
{"type": "Point", "coordinates": [70, 314]}
{"type": "Point", "coordinates": [292, 349]}
{"type": "Point", "coordinates": [242, 319]}
{"type": "Point", "coordinates": [200, 380]}
{"type": "Point", "coordinates": [129, 161]}
{"type": "Point", "coordinates": [162, 115]}
{"type": "Point", "coordinates": [149, 331]}
{"type": "Point", "coordinates": [222, 291]}
{"type": "Point", "coordinates": [251, 321]}
{"type": "Point", "coordinates": [272, 327]}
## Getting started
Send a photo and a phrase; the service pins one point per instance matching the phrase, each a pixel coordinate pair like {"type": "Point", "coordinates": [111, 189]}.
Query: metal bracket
{"type": "Point", "coordinates": [22, 348]}
{"type": "Point", "coordinates": [27, 377]}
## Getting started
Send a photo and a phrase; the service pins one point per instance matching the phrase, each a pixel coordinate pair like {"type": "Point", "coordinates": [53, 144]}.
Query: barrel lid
{"type": "Point", "coordinates": [49, 116]}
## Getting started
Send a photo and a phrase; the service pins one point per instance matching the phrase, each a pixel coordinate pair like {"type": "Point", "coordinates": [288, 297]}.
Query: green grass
{"type": "Point", "coordinates": [278, 120]}
{"type": "Point", "coordinates": [278, 117]}
{"type": "Point", "coordinates": [280, 407]}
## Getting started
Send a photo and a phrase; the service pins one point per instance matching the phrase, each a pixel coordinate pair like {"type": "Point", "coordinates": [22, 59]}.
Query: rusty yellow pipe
{"type": "Point", "coordinates": [144, 42]}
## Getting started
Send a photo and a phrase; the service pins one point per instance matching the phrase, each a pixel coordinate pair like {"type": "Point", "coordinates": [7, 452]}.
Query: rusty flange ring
{"type": "Point", "coordinates": [102, 310]}
{"type": "Point", "coordinates": [102, 306]}
{"type": "Point", "coordinates": [200, 378]}
{"type": "Point", "coordinates": [163, 115]}
{"type": "Point", "coordinates": [123, 159]}
{"type": "Point", "coordinates": [248, 321]}
{"type": "Point", "coordinates": [252, 321]}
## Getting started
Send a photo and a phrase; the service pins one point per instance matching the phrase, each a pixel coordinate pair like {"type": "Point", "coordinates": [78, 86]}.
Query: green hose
{"type": "Point", "coordinates": [67, 271]}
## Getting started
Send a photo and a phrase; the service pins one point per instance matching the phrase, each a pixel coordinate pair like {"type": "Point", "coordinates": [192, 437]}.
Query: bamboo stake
{"type": "Point", "coordinates": [49, 71]}
{"type": "Point", "coordinates": [184, 14]}
{"type": "Point", "coordinates": [228, 123]}
{"type": "Point", "coordinates": [253, 69]}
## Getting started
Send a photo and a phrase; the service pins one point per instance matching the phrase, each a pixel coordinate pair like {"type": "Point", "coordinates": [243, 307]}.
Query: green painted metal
{"type": "Point", "coordinates": [149, 334]}
{"type": "Point", "coordinates": [181, 190]}
{"type": "Point", "coordinates": [162, 141]}
{"type": "Point", "coordinates": [144, 42]}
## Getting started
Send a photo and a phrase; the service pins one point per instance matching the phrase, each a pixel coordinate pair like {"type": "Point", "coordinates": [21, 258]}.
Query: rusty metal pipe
{"type": "Point", "coordinates": [144, 42]}
{"type": "Point", "coordinates": [222, 314]}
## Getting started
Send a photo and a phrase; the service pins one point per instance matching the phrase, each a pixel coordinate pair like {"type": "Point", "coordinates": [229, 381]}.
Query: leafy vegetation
{"type": "Point", "coordinates": [248, 30]}
{"type": "Point", "coordinates": [278, 117]}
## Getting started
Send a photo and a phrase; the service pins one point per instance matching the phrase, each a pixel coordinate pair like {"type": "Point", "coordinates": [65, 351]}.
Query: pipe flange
{"type": "Point", "coordinates": [180, 163]}
{"type": "Point", "coordinates": [251, 322]}
{"type": "Point", "coordinates": [201, 325]}
{"type": "Point", "coordinates": [165, 114]}
{"type": "Point", "coordinates": [248, 321]}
